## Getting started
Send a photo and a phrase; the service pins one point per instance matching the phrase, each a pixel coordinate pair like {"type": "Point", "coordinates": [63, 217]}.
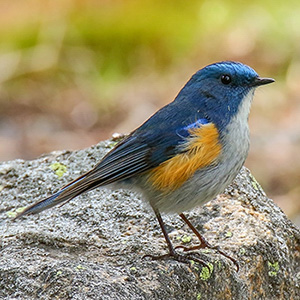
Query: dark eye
{"type": "Point", "coordinates": [226, 79]}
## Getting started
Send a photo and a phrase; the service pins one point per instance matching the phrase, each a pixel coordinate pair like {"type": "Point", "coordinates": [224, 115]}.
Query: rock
{"type": "Point", "coordinates": [93, 247]}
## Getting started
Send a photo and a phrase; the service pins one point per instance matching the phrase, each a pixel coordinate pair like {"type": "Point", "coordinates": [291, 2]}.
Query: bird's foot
{"type": "Point", "coordinates": [207, 245]}
{"type": "Point", "coordinates": [187, 258]}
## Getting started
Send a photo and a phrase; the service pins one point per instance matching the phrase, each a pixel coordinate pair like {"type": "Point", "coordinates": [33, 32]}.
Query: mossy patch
{"type": "Point", "coordinates": [79, 268]}
{"type": "Point", "coordinates": [273, 268]}
{"type": "Point", "coordinates": [186, 239]}
{"type": "Point", "coordinates": [206, 272]}
{"type": "Point", "coordinates": [254, 183]}
{"type": "Point", "coordinates": [13, 214]}
{"type": "Point", "coordinates": [59, 169]}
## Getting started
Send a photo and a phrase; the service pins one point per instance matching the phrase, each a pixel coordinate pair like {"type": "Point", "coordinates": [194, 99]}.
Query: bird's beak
{"type": "Point", "coordinates": [261, 81]}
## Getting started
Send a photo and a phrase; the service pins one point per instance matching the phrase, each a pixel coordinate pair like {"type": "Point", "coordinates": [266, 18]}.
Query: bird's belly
{"type": "Point", "coordinates": [202, 187]}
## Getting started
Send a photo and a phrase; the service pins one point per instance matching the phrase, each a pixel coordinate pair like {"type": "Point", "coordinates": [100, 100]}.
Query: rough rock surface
{"type": "Point", "coordinates": [92, 247]}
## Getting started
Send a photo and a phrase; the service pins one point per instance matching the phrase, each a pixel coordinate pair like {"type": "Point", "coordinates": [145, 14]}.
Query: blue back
{"type": "Point", "coordinates": [203, 99]}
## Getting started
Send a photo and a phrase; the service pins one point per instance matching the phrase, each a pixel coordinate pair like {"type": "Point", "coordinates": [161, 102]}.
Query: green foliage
{"type": "Point", "coordinates": [135, 32]}
{"type": "Point", "coordinates": [91, 47]}
{"type": "Point", "coordinates": [114, 39]}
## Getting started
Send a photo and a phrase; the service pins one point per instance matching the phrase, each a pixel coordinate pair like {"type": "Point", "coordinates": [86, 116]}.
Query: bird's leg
{"type": "Point", "coordinates": [203, 243]}
{"type": "Point", "coordinates": [187, 258]}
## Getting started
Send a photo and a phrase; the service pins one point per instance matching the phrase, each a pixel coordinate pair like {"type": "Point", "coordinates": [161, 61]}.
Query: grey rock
{"type": "Point", "coordinates": [93, 247]}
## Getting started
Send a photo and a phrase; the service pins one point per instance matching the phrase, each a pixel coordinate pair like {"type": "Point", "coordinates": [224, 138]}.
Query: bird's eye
{"type": "Point", "coordinates": [226, 79]}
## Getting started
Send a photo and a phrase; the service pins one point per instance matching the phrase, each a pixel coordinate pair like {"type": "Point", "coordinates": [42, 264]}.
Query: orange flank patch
{"type": "Point", "coordinates": [201, 149]}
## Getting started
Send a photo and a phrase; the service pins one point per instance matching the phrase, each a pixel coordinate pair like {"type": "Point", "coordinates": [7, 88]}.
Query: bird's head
{"type": "Point", "coordinates": [223, 90]}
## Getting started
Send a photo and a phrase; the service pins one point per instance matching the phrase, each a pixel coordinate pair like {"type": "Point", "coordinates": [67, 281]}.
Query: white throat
{"type": "Point", "coordinates": [244, 109]}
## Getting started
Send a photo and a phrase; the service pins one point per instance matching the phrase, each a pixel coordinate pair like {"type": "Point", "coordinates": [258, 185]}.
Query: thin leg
{"type": "Point", "coordinates": [203, 242]}
{"type": "Point", "coordinates": [163, 228]}
{"type": "Point", "coordinates": [172, 253]}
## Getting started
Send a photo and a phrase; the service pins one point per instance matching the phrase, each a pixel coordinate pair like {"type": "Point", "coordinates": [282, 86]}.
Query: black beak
{"type": "Point", "coordinates": [261, 81]}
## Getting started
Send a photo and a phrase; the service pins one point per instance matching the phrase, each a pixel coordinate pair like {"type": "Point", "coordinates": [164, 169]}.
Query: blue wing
{"type": "Point", "coordinates": [156, 141]}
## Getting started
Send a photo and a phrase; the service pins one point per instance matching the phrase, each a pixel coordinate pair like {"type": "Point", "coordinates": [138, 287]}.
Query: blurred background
{"type": "Point", "coordinates": [74, 72]}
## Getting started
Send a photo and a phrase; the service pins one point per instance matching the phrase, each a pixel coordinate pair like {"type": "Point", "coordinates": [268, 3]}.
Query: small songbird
{"type": "Point", "coordinates": [185, 154]}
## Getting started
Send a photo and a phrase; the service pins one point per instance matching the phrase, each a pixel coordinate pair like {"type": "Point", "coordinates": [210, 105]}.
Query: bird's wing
{"type": "Point", "coordinates": [145, 149]}
{"type": "Point", "coordinates": [202, 148]}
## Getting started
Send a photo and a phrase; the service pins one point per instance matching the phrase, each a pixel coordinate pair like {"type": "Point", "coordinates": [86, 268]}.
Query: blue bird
{"type": "Point", "coordinates": [185, 154]}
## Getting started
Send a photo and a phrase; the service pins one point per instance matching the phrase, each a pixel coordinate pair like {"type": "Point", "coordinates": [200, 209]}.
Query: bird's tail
{"type": "Point", "coordinates": [63, 196]}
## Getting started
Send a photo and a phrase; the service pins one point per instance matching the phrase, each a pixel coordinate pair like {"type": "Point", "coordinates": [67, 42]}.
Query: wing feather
{"type": "Point", "coordinates": [145, 149]}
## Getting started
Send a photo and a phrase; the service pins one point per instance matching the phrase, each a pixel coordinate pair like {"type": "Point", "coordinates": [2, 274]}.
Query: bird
{"type": "Point", "coordinates": [184, 155]}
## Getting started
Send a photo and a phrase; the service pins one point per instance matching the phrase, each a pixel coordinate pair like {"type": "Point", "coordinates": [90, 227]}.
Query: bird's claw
{"type": "Point", "coordinates": [184, 258]}
{"type": "Point", "coordinates": [203, 246]}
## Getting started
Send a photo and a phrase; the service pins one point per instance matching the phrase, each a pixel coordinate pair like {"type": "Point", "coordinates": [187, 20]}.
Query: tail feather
{"type": "Point", "coordinates": [63, 196]}
{"type": "Point", "coordinates": [129, 158]}
{"type": "Point", "coordinates": [40, 206]}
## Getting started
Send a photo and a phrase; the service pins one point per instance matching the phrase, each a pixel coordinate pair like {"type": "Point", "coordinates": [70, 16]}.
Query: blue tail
{"type": "Point", "coordinates": [63, 196]}
{"type": "Point", "coordinates": [40, 206]}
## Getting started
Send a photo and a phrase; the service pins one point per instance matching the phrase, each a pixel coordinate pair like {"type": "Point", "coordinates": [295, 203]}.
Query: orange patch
{"type": "Point", "coordinates": [202, 149]}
